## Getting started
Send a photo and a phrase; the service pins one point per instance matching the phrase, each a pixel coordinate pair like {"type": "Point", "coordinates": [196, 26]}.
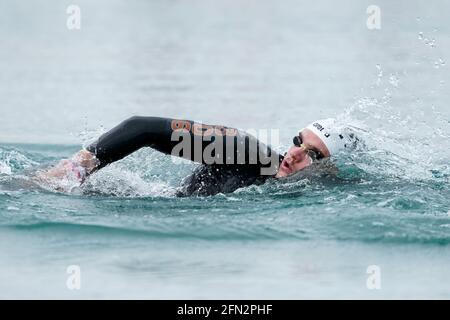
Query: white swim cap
{"type": "Point", "coordinates": [336, 138]}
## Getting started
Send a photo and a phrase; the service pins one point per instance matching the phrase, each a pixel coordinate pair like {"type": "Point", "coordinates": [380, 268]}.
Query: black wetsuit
{"type": "Point", "coordinates": [237, 158]}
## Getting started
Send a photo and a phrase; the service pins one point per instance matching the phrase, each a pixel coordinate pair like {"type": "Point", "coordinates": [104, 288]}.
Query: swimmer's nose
{"type": "Point", "coordinates": [297, 155]}
{"type": "Point", "coordinates": [289, 159]}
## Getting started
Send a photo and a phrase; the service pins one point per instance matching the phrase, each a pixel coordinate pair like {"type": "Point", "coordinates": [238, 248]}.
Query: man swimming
{"type": "Point", "coordinates": [229, 158]}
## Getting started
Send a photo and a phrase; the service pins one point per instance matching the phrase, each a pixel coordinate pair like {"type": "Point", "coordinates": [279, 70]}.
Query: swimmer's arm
{"type": "Point", "coordinates": [129, 136]}
{"type": "Point", "coordinates": [163, 134]}
{"type": "Point", "coordinates": [126, 138]}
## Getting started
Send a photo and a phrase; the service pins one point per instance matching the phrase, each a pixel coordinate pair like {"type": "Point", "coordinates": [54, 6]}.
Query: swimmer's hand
{"type": "Point", "coordinates": [86, 160]}
{"type": "Point", "coordinates": [69, 171]}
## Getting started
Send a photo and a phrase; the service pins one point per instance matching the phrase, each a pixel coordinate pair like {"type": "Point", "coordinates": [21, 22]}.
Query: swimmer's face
{"type": "Point", "coordinates": [297, 158]}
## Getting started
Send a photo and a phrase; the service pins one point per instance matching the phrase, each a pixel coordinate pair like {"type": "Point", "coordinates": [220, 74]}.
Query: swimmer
{"type": "Point", "coordinates": [241, 160]}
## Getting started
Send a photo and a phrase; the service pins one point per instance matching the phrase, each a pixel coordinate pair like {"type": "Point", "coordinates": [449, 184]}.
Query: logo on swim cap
{"type": "Point", "coordinates": [330, 134]}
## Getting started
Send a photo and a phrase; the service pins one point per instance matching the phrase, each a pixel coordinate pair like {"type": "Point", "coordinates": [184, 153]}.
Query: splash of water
{"type": "Point", "coordinates": [12, 161]}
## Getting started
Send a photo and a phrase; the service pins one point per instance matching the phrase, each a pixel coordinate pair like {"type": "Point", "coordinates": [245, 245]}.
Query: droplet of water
{"type": "Point", "coordinates": [432, 43]}
{"type": "Point", "coordinates": [420, 36]}
{"type": "Point", "coordinates": [394, 80]}
{"type": "Point", "coordinates": [439, 63]}
{"type": "Point", "coordinates": [380, 71]}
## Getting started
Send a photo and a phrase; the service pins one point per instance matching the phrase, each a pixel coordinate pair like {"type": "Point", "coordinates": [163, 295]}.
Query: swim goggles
{"type": "Point", "coordinates": [313, 154]}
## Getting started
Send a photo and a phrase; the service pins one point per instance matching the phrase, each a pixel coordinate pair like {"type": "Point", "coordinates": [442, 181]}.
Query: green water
{"type": "Point", "coordinates": [131, 237]}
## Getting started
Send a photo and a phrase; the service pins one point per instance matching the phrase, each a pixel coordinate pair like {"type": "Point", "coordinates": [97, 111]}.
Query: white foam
{"type": "Point", "coordinates": [5, 169]}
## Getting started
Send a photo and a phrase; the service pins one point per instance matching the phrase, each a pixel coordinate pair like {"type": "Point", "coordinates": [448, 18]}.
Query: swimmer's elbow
{"type": "Point", "coordinates": [133, 121]}
{"type": "Point", "coordinates": [137, 124]}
